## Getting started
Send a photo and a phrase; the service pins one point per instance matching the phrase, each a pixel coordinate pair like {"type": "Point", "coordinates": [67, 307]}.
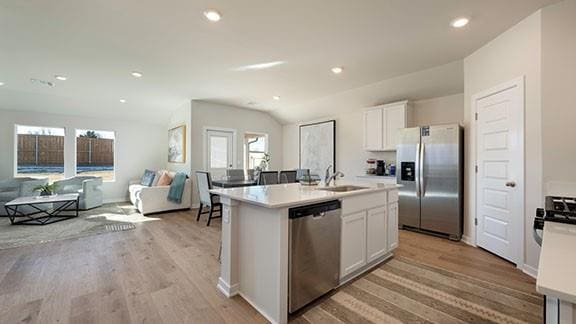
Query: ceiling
{"type": "Point", "coordinates": [385, 46]}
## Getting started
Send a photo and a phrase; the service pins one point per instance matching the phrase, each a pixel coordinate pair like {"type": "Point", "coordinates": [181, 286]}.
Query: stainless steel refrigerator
{"type": "Point", "coordinates": [430, 165]}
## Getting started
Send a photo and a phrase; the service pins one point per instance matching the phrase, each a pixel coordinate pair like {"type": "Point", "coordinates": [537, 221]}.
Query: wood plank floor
{"type": "Point", "coordinates": [165, 271]}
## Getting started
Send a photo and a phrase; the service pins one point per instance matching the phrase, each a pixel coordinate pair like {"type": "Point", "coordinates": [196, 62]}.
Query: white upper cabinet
{"type": "Point", "coordinates": [373, 136]}
{"type": "Point", "coordinates": [381, 125]}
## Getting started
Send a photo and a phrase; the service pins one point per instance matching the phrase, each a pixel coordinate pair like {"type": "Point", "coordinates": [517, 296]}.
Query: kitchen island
{"type": "Point", "coordinates": [256, 236]}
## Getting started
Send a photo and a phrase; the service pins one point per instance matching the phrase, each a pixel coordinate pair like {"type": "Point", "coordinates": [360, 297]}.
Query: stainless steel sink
{"type": "Point", "coordinates": [343, 188]}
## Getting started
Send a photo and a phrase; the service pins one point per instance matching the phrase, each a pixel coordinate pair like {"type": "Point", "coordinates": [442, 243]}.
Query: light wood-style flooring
{"type": "Point", "coordinates": [165, 271]}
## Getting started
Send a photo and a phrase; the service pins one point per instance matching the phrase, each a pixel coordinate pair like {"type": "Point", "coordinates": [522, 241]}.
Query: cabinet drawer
{"type": "Point", "coordinates": [362, 202]}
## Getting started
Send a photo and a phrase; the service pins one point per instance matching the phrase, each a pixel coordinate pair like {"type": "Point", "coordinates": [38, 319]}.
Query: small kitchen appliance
{"type": "Point", "coordinates": [380, 168]}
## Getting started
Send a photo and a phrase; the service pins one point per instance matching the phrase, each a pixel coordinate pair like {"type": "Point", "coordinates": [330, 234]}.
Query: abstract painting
{"type": "Point", "coordinates": [177, 144]}
{"type": "Point", "coordinates": [318, 146]}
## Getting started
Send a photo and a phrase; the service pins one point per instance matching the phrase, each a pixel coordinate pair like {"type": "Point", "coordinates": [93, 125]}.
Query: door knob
{"type": "Point", "coordinates": [511, 184]}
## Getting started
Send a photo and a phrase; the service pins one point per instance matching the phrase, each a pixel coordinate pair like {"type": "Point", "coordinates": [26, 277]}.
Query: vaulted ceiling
{"type": "Point", "coordinates": [382, 45]}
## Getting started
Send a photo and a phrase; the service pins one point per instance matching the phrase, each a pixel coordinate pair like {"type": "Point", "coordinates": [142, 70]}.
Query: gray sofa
{"type": "Point", "coordinates": [13, 188]}
{"type": "Point", "coordinates": [89, 188]}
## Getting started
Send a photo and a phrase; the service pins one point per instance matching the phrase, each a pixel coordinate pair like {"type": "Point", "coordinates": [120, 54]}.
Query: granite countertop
{"type": "Point", "coordinates": [557, 262]}
{"type": "Point", "coordinates": [294, 194]}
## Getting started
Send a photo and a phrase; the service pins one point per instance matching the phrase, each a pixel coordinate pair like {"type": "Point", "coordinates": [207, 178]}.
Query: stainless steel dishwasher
{"type": "Point", "coordinates": [314, 255]}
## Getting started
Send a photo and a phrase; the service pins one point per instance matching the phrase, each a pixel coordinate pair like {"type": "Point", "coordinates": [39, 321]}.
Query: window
{"type": "Point", "coordinates": [256, 150]}
{"type": "Point", "coordinates": [95, 153]}
{"type": "Point", "coordinates": [40, 152]}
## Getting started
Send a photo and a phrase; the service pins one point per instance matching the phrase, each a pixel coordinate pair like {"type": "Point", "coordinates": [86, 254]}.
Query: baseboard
{"type": "Point", "coordinates": [228, 291]}
{"type": "Point", "coordinates": [367, 268]}
{"type": "Point", "coordinates": [115, 200]}
{"type": "Point", "coordinates": [530, 270]}
{"type": "Point", "coordinates": [468, 240]}
{"type": "Point", "coordinates": [263, 313]}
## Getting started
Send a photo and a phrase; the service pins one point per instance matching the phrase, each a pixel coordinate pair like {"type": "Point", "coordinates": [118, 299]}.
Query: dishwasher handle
{"type": "Point", "coordinates": [317, 211]}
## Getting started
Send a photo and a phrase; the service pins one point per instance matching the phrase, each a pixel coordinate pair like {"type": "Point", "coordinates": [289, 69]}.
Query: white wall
{"type": "Point", "coordinates": [443, 110]}
{"type": "Point", "coordinates": [350, 156]}
{"type": "Point", "coordinates": [205, 114]}
{"type": "Point", "coordinates": [137, 145]}
{"type": "Point", "coordinates": [559, 97]}
{"type": "Point", "coordinates": [181, 116]}
{"type": "Point", "coordinates": [515, 53]}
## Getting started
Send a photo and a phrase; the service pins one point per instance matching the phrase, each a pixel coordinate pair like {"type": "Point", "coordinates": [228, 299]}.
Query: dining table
{"type": "Point", "coordinates": [224, 183]}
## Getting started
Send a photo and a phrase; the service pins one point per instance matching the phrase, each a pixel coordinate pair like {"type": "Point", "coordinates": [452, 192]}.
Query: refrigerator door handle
{"type": "Point", "coordinates": [421, 171]}
{"type": "Point", "coordinates": [417, 171]}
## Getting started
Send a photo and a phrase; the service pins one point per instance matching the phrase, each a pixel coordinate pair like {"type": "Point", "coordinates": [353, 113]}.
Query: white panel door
{"type": "Point", "coordinates": [377, 245]}
{"type": "Point", "coordinates": [353, 248]}
{"type": "Point", "coordinates": [395, 120]}
{"type": "Point", "coordinates": [219, 152]}
{"type": "Point", "coordinates": [499, 191]}
{"type": "Point", "coordinates": [392, 226]}
{"type": "Point", "coordinates": [373, 135]}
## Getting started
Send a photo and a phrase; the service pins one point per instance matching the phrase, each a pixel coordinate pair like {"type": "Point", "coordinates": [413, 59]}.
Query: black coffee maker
{"type": "Point", "coordinates": [380, 167]}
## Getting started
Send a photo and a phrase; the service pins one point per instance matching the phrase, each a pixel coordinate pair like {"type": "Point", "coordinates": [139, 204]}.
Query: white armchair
{"type": "Point", "coordinates": [11, 189]}
{"type": "Point", "coordinates": [153, 199]}
{"type": "Point", "coordinates": [89, 188]}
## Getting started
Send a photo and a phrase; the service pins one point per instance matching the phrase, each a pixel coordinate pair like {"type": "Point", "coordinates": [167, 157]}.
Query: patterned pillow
{"type": "Point", "coordinates": [148, 178]}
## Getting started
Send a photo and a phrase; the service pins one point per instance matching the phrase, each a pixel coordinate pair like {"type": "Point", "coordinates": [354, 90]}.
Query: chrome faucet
{"type": "Point", "coordinates": [328, 178]}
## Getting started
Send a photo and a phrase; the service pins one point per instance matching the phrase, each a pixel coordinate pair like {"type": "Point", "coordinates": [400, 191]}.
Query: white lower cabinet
{"type": "Point", "coordinates": [367, 236]}
{"type": "Point", "coordinates": [376, 241]}
{"type": "Point", "coordinates": [353, 253]}
{"type": "Point", "coordinates": [392, 226]}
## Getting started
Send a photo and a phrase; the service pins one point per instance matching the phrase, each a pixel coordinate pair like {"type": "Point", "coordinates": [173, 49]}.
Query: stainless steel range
{"type": "Point", "coordinates": [557, 209]}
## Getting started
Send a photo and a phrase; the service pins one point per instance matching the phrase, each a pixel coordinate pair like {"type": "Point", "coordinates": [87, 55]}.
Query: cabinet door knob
{"type": "Point", "coordinates": [511, 184]}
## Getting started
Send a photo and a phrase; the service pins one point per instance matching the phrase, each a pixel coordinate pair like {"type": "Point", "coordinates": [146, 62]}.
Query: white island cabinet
{"type": "Point", "coordinates": [256, 234]}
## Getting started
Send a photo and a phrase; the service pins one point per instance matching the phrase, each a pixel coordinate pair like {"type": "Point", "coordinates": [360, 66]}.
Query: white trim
{"type": "Point", "coordinates": [468, 240]}
{"type": "Point", "coordinates": [234, 132]}
{"type": "Point", "coordinates": [260, 310]}
{"type": "Point", "coordinates": [228, 291]}
{"type": "Point", "coordinates": [530, 270]}
{"type": "Point", "coordinates": [520, 84]}
{"type": "Point", "coordinates": [116, 200]}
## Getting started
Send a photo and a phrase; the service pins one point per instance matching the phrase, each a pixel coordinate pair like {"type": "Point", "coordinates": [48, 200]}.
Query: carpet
{"type": "Point", "coordinates": [405, 291]}
{"type": "Point", "coordinates": [108, 218]}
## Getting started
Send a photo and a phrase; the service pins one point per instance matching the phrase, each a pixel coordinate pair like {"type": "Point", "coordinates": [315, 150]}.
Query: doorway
{"type": "Point", "coordinates": [500, 170]}
{"type": "Point", "coordinates": [219, 151]}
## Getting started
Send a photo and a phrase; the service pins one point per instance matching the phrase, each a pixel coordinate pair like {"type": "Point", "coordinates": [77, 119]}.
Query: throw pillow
{"type": "Point", "coordinates": [148, 178]}
{"type": "Point", "coordinates": [157, 177]}
{"type": "Point", "coordinates": [165, 179]}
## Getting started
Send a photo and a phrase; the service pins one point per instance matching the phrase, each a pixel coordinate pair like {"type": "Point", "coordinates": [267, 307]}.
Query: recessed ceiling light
{"type": "Point", "coordinates": [337, 70]}
{"type": "Point", "coordinates": [137, 74]}
{"type": "Point", "coordinates": [2, 83]}
{"type": "Point", "coordinates": [212, 15]}
{"type": "Point", "coordinates": [61, 77]}
{"type": "Point", "coordinates": [460, 22]}
{"type": "Point", "coordinates": [276, 97]}
{"type": "Point", "coordinates": [122, 100]}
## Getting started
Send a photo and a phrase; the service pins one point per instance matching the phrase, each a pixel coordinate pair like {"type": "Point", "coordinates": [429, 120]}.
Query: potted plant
{"type": "Point", "coordinates": [46, 190]}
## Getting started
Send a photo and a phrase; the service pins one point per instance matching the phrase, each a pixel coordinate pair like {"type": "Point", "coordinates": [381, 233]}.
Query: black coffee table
{"type": "Point", "coordinates": [39, 215]}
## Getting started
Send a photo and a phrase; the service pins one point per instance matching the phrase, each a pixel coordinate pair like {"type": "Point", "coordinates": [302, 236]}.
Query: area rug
{"type": "Point", "coordinates": [405, 291]}
{"type": "Point", "coordinates": [105, 219]}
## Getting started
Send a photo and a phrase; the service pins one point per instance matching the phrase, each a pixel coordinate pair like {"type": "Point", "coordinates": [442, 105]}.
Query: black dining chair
{"type": "Point", "coordinates": [268, 178]}
{"type": "Point", "coordinates": [287, 176]}
{"type": "Point", "coordinates": [206, 198]}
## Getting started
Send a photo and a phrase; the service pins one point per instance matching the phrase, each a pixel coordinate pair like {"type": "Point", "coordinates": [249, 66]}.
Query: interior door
{"type": "Point", "coordinates": [219, 152]}
{"type": "Point", "coordinates": [407, 176]}
{"type": "Point", "coordinates": [441, 180]}
{"type": "Point", "coordinates": [499, 179]}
